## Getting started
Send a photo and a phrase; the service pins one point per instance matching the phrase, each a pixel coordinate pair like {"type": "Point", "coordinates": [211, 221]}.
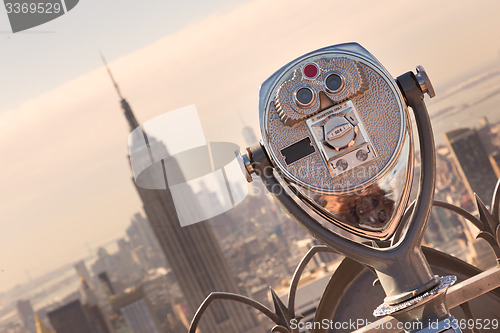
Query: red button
{"type": "Point", "coordinates": [310, 71]}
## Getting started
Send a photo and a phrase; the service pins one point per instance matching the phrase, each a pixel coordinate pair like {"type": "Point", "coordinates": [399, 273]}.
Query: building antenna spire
{"type": "Point", "coordinates": [117, 88]}
{"type": "Point", "coordinates": [127, 110]}
{"type": "Point", "coordinates": [241, 118]}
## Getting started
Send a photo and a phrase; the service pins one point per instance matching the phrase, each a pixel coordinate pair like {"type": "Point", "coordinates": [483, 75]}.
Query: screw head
{"type": "Point", "coordinates": [424, 82]}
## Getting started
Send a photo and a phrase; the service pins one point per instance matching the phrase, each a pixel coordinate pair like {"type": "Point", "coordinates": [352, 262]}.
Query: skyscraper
{"type": "Point", "coordinates": [193, 255]}
{"type": "Point", "coordinates": [473, 161]}
{"type": "Point", "coordinates": [136, 310]}
{"type": "Point", "coordinates": [248, 133]}
{"type": "Point", "coordinates": [77, 318]}
{"type": "Point", "coordinates": [249, 136]}
{"type": "Point", "coordinates": [26, 314]}
{"type": "Point", "coordinates": [140, 234]}
{"type": "Point", "coordinates": [485, 135]}
{"type": "Point", "coordinates": [83, 272]}
{"type": "Point", "coordinates": [106, 284]}
{"type": "Point", "coordinates": [41, 327]}
{"type": "Point", "coordinates": [144, 245]}
{"type": "Point", "coordinates": [495, 162]}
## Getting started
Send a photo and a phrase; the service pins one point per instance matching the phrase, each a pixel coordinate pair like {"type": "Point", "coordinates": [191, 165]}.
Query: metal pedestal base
{"type": "Point", "coordinates": [386, 309]}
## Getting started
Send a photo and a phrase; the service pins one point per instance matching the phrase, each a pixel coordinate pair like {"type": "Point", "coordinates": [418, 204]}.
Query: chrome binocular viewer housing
{"type": "Point", "coordinates": [337, 154]}
{"type": "Point", "coordinates": [336, 128]}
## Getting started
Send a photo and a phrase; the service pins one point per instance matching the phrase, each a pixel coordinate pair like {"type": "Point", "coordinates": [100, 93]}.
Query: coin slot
{"type": "Point", "coordinates": [297, 151]}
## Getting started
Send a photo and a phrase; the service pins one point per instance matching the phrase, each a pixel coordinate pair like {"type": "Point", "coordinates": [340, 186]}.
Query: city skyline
{"type": "Point", "coordinates": [53, 185]}
{"type": "Point", "coordinates": [491, 136]}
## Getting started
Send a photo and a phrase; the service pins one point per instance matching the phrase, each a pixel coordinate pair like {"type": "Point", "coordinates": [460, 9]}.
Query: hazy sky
{"type": "Point", "coordinates": [64, 175]}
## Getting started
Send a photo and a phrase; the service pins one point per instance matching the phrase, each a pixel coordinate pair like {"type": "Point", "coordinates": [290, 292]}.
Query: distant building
{"type": "Point", "coordinates": [325, 257]}
{"type": "Point", "coordinates": [97, 319]}
{"type": "Point", "coordinates": [77, 318]}
{"type": "Point", "coordinates": [41, 327]}
{"type": "Point", "coordinates": [119, 265]}
{"type": "Point", "coordinates": [106, 284]}
{"type": "Point", "coordinates": [484, 132]}
{"type": "Point", "coordinates": [483, 256]}
{"type": "Point", "coordinates": [83, 272]}
{"type": "Point", "coordinates": [70, 318]}
{"type": "Point", "coordinates": [192, 252]}
{"type": "Point", "coordinates": [137, 311]}
{"type": "Point", "coordinates": [140, 233]}
{"type": "Point", "coordinates": [104, 262]}
{"type": "Point", "coordinates": [197, 262]}
{"type": "Point", "coordinates": [26, 314]}
{"type": "Point", "coordinates": [449, 182]}
{"type": "Point", "coordinates": [90, 282]}
{"type": "Point", "coordinates": [320, 259]}
{"type": "Point", "coordinates": [495, 162]}
{"type": "Point", "coordinates": [249, 136]}
{"type": "Point", "coordinates": [87, 295]}
{"type": "Point", "coordinates": [473, 161]}
{"type": "Point", "coordinates": [144, 245]}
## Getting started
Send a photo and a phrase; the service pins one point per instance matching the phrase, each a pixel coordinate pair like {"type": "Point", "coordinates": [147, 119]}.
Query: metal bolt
{"type": "Point", "coordinates": [424, 82]}
{"type": "Point", "coordinates": [248, 168]}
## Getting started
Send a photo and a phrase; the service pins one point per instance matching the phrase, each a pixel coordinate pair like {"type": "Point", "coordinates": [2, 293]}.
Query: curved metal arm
{"type": "Point", "coordinates": [495, 202]}
{"type": "Point", "coordinates": [488, 223]}
{"type": "Point", "coordinates": [414, 97]}
{"type": "Point", "coordinates": [404, 222]}
{"type": "Point", "coordinates": [298, 273]}
{"type": "Point", "coordinates": [460, 211]}
{"type": "Point", "coordinates": [231, 297]}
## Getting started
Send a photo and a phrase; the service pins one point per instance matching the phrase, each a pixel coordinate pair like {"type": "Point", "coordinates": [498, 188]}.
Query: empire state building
{"type": "Point", "coordinates": [193, 254]}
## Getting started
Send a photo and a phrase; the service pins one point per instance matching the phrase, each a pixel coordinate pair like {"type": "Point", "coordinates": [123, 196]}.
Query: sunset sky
{"type": "Point", "coordinates": [64, 174]}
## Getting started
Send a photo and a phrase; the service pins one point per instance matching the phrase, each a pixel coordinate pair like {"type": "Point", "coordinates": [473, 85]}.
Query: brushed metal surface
{"type": "Point", "coordinates": [356, 194]}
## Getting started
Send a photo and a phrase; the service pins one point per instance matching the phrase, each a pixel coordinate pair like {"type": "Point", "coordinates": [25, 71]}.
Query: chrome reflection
{"type": "Point", "coordinates": [373, 212]}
